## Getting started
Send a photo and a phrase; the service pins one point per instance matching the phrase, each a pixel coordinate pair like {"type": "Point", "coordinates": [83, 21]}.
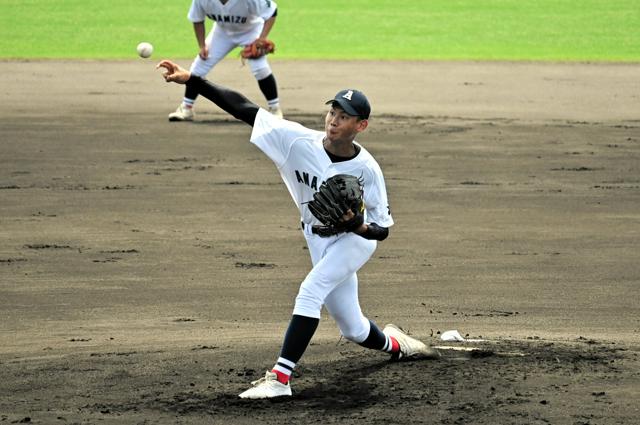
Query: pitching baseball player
{"type": "Point", "coordinates": [236, 23]}
{"type": "Point", "coordinates": [306, 158]}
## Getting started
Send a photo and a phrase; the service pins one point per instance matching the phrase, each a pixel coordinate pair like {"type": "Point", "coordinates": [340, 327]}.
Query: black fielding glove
{"type": "Point", "coordinates": [333, 200]}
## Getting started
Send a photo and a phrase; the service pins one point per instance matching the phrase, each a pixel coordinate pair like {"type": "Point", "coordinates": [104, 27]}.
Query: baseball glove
{"type": "Point", "coordinates": [260, 47]}
{"type": "Point", "coordinates": [331, 202]}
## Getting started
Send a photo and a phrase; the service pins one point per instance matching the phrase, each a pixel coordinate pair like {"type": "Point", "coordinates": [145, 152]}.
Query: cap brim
{"type": "Point", "coordinates": [345, 106]}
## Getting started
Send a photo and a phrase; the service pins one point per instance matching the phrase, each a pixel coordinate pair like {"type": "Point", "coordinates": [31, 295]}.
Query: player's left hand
{"type": "Point", "coordinates": [348, 215]}
{"type": "Point", "coordinates": [173, 72]}
{"type": "Point", "coordinates": [338, 204]}
{"type": "Point", "coordinates": [259, 48]}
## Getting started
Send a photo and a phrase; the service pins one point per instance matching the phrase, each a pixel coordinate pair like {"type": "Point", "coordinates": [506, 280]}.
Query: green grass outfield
{"type": "Point", "coordinates": [545, 30]}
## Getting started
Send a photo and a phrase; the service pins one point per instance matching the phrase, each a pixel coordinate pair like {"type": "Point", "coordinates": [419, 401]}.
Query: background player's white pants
{"type": "Point", "coordinates": [333, 282]}
{"type": "Point", "coordinates": [220, 44]}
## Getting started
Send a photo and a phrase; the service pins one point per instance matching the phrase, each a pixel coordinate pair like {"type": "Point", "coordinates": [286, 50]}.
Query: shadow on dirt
{"type": "Point", "coordinates": [517, 379]}
{"type": "Point", "coordinates": [342, 390]}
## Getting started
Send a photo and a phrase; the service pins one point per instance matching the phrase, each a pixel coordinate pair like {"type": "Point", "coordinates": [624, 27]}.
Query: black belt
{"type": "Point", "coordinates": [313, 229]}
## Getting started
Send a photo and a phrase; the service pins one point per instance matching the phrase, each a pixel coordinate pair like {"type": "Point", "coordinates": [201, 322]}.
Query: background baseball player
{"type": "Point", "coordinates": [236, 23]}
{"type": "Point", "coordinates": [306, 158]}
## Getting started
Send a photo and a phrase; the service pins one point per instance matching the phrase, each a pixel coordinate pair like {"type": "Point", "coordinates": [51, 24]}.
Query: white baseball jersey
{"type": "Point", "coordinates": [299, 154]}
{"type": "Point", "coordinates": [236, 17]}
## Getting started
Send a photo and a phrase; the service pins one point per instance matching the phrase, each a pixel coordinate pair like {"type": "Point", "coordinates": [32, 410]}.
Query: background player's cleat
{"type": "Point", "coordinates": [409, 347]}
{"type": "Point", "coordinates": [277, 111]}
{"type": "Point", "coordinates": [267, 387]}
{"type": "Point", "coordinates": [182, 114]}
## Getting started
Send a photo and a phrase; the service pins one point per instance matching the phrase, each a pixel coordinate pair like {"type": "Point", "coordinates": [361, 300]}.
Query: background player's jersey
{"type": "Point", "coordinates": [299, 154]}
{"type": "Point", "coordinates": [236, 17]}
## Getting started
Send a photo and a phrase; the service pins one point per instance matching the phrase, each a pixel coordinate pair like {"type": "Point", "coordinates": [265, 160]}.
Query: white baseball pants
{"type": "Point", "coordinates": [220, 44]}
{"type": "Point", "coordinates": [333, 282]}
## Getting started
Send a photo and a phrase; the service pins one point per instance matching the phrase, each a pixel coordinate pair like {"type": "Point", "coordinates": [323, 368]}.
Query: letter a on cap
{"type": "Point", "coordinates": [348, 95]}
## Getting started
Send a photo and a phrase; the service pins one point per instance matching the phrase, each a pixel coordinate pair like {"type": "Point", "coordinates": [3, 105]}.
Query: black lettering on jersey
{"type": "Point", "coordinates": [228, 18]}
{"type": "Point", "coordinates": [304, 179]}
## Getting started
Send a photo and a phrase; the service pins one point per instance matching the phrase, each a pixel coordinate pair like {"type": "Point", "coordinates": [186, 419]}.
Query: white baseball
{"type": "Point", "coordinates": [145, 49]}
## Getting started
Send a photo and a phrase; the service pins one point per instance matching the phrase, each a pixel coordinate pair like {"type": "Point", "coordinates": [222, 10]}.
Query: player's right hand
{"type": "Point", "coordinates": [173, 72]}
{"type": "Point", "coordinates": [204, 52]}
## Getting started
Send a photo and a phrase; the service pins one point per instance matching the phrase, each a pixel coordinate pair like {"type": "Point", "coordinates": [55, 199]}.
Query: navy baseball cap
{"type": "Point", "coordinates": [353, 102]}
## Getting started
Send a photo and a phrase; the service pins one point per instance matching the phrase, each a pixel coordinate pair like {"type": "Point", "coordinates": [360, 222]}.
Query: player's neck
{"type": "Point", "coordinates": [340, 148]}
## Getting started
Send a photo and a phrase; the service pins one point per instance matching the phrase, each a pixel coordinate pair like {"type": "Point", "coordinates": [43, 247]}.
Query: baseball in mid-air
{"type": "Point", "coordinates": [145, 49]}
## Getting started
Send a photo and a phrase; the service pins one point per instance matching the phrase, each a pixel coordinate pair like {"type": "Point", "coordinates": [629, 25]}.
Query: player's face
{"type": "Point", "coordinates": [342, 127]}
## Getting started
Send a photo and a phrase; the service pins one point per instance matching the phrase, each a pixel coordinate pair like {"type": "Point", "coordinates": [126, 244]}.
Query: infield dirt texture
{"type": "Point", "coordinates": [148, 269]}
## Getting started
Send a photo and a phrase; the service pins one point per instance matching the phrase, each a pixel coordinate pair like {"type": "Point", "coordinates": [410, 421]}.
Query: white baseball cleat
{"type": "Point", "coordinates": [182, 114]}
{"type": "Point", "coordinates": [277, 111]}
{"type": "Point", "coordinates": [267, 387]}
{"type": "Point", "coordinates": [409, 347]}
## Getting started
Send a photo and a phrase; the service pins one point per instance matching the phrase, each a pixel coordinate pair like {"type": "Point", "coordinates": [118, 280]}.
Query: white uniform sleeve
{"type": "Point", "coordinates": [376, 201]}
{"type": "Point", "coordinates": [196, 12]}
{"type": "Point", "coordinates": [264, 8]}
{"type": "Point", "coordinates": [275, 136]}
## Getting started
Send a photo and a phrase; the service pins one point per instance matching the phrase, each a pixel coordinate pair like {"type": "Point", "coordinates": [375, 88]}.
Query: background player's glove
{"type": "Point", "coordinates": [260, 47]}
{"type": "Point", "coordinates": [331, 202]}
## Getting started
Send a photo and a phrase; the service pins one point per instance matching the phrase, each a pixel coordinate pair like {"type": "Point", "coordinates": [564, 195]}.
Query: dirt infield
{"type": "Point", "coordinates": [148, 268]}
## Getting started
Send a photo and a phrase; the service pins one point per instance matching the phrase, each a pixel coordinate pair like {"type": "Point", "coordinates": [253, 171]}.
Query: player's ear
{"type": "Point", "coordinates": [362, 125]}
